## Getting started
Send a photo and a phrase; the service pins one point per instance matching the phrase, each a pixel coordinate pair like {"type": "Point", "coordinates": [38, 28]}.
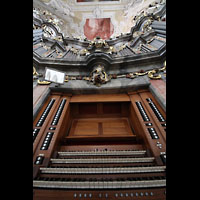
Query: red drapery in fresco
{"type": "Point", "coordinates": [94, 0]}
{"type": "Point", "coordinates": [98, 27]}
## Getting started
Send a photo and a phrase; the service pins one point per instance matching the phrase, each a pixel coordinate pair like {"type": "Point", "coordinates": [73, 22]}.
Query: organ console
{"type": "Point", "coordinates": [110, 146]}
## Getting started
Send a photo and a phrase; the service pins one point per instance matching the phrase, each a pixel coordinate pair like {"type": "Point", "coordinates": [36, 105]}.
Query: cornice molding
{"type": "Point", "coordinates": [134, 59]}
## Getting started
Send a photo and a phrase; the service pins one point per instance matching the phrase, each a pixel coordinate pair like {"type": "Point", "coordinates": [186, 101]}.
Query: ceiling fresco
{"type": "Point", "coordinates": [91, 18]}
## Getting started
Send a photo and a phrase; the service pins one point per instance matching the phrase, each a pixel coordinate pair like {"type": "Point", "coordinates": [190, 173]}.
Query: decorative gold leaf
{"type": "Point", "coordinates": [151, 75]}
{"type": "Point", "coordinates": [43, 82]}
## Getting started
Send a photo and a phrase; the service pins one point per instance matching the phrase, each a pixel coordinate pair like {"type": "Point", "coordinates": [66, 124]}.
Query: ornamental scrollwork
{"type": "Point", "coordinates": [97, 42]}
{"type": "Point", "coordinates": [40, 82]}
{"type": "Point", "coordinates": [98, 76]}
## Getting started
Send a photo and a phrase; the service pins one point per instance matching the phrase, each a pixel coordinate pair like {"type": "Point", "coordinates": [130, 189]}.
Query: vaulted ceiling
{"type": "Point", "coordinates": [87, 18]}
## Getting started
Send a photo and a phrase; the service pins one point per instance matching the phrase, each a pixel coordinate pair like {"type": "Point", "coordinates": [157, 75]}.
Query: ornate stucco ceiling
{"type": "Point", "coordinates": [71, 16]}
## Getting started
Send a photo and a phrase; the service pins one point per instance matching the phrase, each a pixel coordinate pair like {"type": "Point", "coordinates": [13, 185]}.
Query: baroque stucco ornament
{"type": "Point", "coordinates": [98, 43]}
{"type": "Point", "coordinates": [98, 75]}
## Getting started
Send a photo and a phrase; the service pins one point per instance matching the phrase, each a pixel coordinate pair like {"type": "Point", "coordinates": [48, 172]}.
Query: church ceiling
{"type": "Point", "coordinates": [89, 18]}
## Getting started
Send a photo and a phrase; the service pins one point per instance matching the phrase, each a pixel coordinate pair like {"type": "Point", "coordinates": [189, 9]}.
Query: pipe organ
{"type": "Point", "coordinates": [99, 146]}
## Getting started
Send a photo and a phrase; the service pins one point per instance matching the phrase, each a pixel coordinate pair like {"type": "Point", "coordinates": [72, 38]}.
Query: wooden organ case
{"type": "Point", "coordinates": [105, 146]}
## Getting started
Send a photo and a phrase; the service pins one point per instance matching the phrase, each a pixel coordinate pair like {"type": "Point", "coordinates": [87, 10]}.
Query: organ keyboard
{"type": "Point", "coordinates": [102, 153]}
{"type": "Point", "coordinates": [72, 161]}
{"type": "Point", "coordinates": [158, 181]}
{"type": "Point", "coordinates": [103, 160]}
{"type": "Point", "coordinates": [103, 170]}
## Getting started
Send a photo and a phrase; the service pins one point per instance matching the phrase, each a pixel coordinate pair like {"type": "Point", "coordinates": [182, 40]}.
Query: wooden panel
{"type": "Point", "coordinates": [111, 108]}
{"type": "Point", "coordinates": [100, 98]}
{"type": "Point", "coordinates": [160, 86]}
{"type": "Point", "coordinates": [115, 127]}
{"type": "Point", "coordinates": [100, 109]}
{"type": "Point", "coordinates": [87, 108]}
{"type": "Point", "coordinates": [38, 93]}
{"type": "Point", "coordinates": [86, 128]}
{"type": "Point", "coordinates": [158, 193]}
{"type": "Point", "coordinates": [100, 127]}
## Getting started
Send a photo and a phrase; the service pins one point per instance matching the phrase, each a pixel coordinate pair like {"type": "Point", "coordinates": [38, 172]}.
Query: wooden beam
{"type": "Point", "coordinates": [100, 98]}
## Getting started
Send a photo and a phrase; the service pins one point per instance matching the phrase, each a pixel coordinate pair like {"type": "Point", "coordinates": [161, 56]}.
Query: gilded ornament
{"type": "Point", "coordinates": [121, 76]}
{"type": "Point", "coordinates": [140, 73]}
{"type": "Point", "coordinates": [98, 43]}
{"type": "Point", "coordinates": [83, 52]}
{"type": "Point", "coordinates": [72, 78]}
{"type": "Point", "coordinates": [132, 75]}
{"type": "Point", "coordinates": [43, 82]}
{"type": "Point", "coordinates": [66, 79]}
{"type": "Point", "coordinates": [111, 50]}
{"type": "Point", "coordinates": [98, 76]}
{"type": "Point", "coordinates": [164, 67]}
{"type": "Point", "coordinates": [35, 72]}
{"type": "Point", "coordinates": [122, 47]}
{"type": "Point", "coordinates": [86, 78]}
{"type": "Point", "coordinates": [152, 75]}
